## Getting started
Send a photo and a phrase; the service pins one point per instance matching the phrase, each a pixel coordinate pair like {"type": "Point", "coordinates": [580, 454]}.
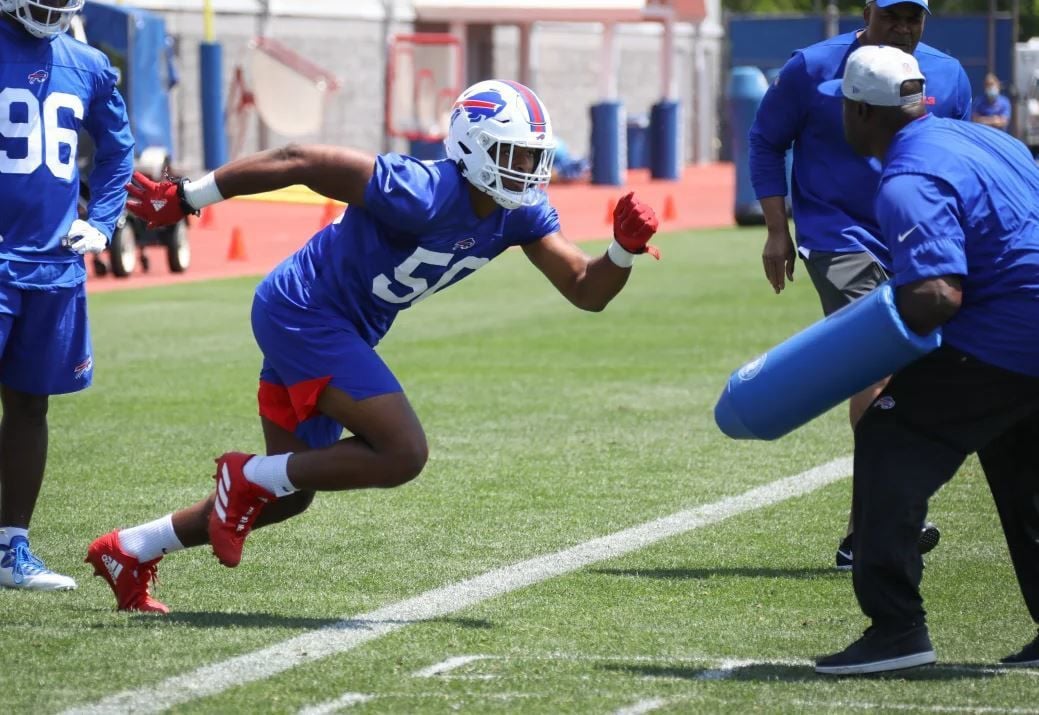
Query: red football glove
{"type": "Point", "coordinates": [159, 203]}
{"type": "Point", "coordinates": [634, 223]}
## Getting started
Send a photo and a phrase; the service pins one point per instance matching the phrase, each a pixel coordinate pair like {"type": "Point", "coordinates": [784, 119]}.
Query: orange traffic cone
{"type": "Point", "coordinates": [611, 206]}
{"type": "Point", "coordinates": [670, 213]}
{"type": "Point", "coordinates": [237, 250]}
{"type": "Point", "coordinates": [205, 219]}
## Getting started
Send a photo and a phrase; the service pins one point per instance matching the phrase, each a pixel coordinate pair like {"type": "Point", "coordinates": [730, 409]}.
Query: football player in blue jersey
{"type": "Point", "coordinates": [51, 86]}
{"type": "Point", "coordinates": [832, 190]}
{"type": "Point", "coordinates": [958, 211]}
{"type": "Point", "coordinates": [411, 229]}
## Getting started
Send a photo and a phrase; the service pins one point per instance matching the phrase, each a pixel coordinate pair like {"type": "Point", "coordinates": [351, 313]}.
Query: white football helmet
{"type": "Point", "coordinates": [43, 18]}
{"type": "Point", "coordinates": [492, 123]}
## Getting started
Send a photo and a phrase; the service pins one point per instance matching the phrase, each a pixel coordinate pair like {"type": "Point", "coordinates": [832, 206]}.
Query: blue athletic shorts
{"type": "Point", "coordinates": [45, 340]}
{"type": "Point", "coordinates": [302, 354]}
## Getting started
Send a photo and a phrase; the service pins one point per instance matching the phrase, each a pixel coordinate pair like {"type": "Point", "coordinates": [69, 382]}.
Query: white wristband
{"type": "Point", "coordinates": [619, 255]}
{"type": "Point", "coordinates": [203, 192]}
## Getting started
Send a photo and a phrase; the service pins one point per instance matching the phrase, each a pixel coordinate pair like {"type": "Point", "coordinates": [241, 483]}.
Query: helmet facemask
{"type": "Point", "coordinates": [514, 187]}
{"type": "Point", "coordinates": [43, 18]}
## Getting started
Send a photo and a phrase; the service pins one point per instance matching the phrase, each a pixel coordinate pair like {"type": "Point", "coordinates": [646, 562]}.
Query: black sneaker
{"type": "Point", "coordinates": [929, 538]}
{"type": "Point", "coordinates": [879, 651]}
{"type": "Point", "coordinates": [843, 558]}
{"type": "Point", "coordinates": [1027, 657]}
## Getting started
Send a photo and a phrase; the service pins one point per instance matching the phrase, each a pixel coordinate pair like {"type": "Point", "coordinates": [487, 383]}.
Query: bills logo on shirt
{"type": "Point", "coordinates": [38, 77]}
{"type": "Point", "coordinates": [465, 244]}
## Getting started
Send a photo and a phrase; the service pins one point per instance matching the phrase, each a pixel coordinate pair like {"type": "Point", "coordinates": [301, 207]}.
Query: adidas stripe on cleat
{"type": "Point", "coordinates": [237, 504]}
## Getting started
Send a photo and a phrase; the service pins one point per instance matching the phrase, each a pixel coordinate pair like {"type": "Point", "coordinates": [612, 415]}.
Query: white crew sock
{"type": "Point", "coordinates": [152, 540]}
{"type": "Point", "coordinates": [9, 532]}
{"type": "Point", "coordinates": [271, 473]}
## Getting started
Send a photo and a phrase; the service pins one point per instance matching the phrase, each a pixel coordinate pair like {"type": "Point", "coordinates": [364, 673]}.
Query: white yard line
{"type": "Point", "coordinates": [728, 667]}
{"type": "Point", "coordinates": [344, 701]}
{"type": "Point", "coordinates": [448, 665]}
{"type": "Point", "coordinates": [912, 707]}
{"type": "Point", "coordinates": [642, 706]}
{"type": "Point", "coordinates": [352, 632]}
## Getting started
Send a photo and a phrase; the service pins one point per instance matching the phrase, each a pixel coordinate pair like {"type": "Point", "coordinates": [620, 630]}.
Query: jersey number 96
{"type": "Point", "coordinates": [43, 139]}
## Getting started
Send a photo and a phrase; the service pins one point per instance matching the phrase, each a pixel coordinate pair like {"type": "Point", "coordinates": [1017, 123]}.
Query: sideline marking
{"type": "Point", "coordinates": [350, 633]}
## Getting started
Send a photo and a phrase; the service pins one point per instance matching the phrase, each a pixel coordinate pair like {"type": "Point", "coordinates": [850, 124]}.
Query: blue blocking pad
{"type": "Point", "coordinates": [819, 367]}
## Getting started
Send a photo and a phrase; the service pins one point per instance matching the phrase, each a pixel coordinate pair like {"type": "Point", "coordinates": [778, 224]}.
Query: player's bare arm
{"type": "Point", "coordinates": [589, 283]}
{"type": "Point", "coordinates": [334, 172]}
{"type": "Point", "coordinates": [929, 304]}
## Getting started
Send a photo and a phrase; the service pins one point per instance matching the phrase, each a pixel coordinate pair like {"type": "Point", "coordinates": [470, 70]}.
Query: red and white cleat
{"type": "Point", "coordinates": [238, 503]}
{"type": "Point", "coordinates": [128, 577]}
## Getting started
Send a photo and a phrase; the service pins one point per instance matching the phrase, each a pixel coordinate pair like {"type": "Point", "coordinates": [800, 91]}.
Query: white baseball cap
{"type": "Point", "coordinates": [874, 75]}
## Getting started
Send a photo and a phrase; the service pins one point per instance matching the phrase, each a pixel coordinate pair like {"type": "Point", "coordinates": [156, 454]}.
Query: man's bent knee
{"type": "Point", "coordinates": [405, 463]}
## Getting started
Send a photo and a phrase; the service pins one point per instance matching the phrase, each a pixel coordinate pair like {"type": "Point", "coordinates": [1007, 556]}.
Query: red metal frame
{"type": "Point", "coordinates": [399, 45]}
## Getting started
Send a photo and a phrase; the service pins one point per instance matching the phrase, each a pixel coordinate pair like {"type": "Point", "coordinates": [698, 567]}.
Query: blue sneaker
{"type": "Point", "coordinates": [20, 568]}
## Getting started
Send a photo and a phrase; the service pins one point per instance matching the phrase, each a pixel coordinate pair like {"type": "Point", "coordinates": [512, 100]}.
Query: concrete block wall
{"type": "Point", "coordinates": [566, 77]}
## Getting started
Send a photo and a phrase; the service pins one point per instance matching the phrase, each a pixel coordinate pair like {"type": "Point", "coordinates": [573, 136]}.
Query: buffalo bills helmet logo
{"type": "Point", "coordinates": [465, 244]}
{"type": "Point", "coordinates": [479, 106]}
{"type": "Point", "coordinates": [38, 77]}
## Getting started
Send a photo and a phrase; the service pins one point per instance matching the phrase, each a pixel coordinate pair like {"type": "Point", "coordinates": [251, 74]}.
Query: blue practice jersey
{"type": "Point", "coordinates": [49, 90]}
{"type": "Point", "coordinates": [963, 199]}
{"type": "Point", "coordinates": [415, 234]}
{"type": "Point", "coordinates": [833, 187]}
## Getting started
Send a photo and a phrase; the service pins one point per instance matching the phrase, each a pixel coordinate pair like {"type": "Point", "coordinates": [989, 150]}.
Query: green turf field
{"type": "Point", "coordinates": [548, 428]}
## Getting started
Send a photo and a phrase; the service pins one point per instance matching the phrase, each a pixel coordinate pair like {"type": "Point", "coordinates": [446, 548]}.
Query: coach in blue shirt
{"type": "Point", "coordinates": [833, 188]}
{"type": "Point", "coordinates": [958, 209]}
{"type": "Point", "coordinates": [992, 108]}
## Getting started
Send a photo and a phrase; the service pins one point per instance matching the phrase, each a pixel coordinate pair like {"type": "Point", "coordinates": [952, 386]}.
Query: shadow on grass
{"type": "Point", "coordinates": [741, 572]}
{"type": "Point", "coordinates": [791, 673]}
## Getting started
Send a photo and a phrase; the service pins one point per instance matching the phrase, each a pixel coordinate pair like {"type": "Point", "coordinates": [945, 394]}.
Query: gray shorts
{"type": "Point", "coordinates": [840, 278]}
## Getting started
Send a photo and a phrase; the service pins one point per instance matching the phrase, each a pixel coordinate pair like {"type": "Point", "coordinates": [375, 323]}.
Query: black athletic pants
{"type": "Point", "coordinates": [912, 440]}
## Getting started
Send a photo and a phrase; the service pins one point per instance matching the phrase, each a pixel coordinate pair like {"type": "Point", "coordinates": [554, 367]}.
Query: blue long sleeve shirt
{"type": "Point", "coordinates": [833, 188]}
